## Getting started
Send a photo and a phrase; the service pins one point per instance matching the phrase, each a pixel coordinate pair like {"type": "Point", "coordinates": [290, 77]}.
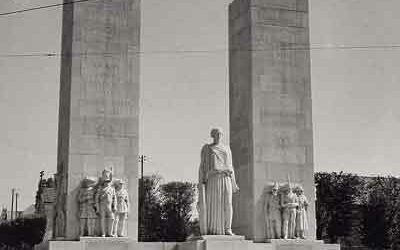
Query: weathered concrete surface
{"type": "Point", "coordinates": [270, 105]}
{"type": "Point", "coordinates": [239, 244]}
{"type": "Point", "coordinates": [96, 243]}
{"type": "Point", "coordinates": [99, 103]}
{"type": "Point", "coordinates": [207, 244]}
{"type": "Point", "coordinates": [303, 245]}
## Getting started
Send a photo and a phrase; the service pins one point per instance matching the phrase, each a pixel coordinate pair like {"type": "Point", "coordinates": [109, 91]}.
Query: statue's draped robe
{"type": "Point", "coordinates": [301, 217]}
{"type": "Point", "coordinates": [215, 189]}
{"type": "Point", "coordinates": [273, 217]}
{"type": "Point", "coordinates": [289, 204]}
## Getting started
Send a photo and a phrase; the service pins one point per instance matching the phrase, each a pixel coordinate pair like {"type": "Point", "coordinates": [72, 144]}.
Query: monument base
{"type": "Point", "coordinates": [206, 242]}
{"type": "Point", "coordinates": [218, 242]}
{"type": "Point", "coordinates": [211, 242]}
{"type": "Point", "coordinates": [105, 243]}
{"type": "Point", "coordinates": [93, 243]}
{"type": "Point", "coordinates": [278, 244]}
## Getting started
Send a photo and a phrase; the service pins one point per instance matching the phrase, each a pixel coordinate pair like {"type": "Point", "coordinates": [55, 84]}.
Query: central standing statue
{"type": "Point", "coordinates": [106, 203]}
{"type": "Point", "coordinates": [289, 204]}
{"type": "Point", "coordinates": [216, 184]}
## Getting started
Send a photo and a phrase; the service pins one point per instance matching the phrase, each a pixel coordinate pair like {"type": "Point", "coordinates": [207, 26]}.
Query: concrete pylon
{"type": "Point", "coordinates": [99, 104]}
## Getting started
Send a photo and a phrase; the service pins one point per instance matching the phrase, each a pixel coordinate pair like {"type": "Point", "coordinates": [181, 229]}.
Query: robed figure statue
{"type": "Point", "coordinates": [216, 185]}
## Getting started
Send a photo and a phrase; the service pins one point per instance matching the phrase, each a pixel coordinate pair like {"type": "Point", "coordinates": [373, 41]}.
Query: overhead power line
{"type": "Point", "coordinates": [43, 7]}
{"type": "Point", "coordinates": [336, 47]}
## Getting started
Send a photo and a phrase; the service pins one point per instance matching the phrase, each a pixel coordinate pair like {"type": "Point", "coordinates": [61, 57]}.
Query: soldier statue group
{"type": "Point", "coordinates": [286, 213]}
{"type": "Point", "coordinates": [106, 202]}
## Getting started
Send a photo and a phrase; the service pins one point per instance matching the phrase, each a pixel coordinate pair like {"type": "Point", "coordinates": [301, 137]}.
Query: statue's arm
{"type": "Point", "coordinates": [267, 206]}
{"type": "Point", "coordinates": [283, 203]}
{"type": "Point", "coordinates": [80, 196]}
{"type": "Point", "coordinates": [114, 201]}
{"type": "Point", "coordinates": [127, 200]}
{"type": "Point", "coordinates": [306, 202]}
{"type": "Point", "coordinates": [203, 165]}
{"type": "Point", "coordinates": [232, 170]}
{"type": "Point", "coordinates": [96, 201]}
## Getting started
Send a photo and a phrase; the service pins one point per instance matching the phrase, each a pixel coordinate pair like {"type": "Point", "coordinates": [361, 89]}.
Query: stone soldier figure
{"type": "Point", "coordinates": [273, 213]}
{"type": "Point", "coordinates": [106, 204]}
{"type": "Point", "coordinates": [87, 207]}
{"type": "Point", "coordinates": [301, 217]}
{"type": "Point", "coordinates": [289, 205]}
{"type": "Point", "coordinates": [122, 210]}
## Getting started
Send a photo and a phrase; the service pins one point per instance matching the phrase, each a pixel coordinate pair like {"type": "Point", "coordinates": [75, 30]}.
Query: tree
{"type": "Point", "coordinates": [22, 233]}
{"type": "Point", "coordinates": [337, 206]}
{"type": "Point", "coordinates": [177, 204]}
{"type": "Point", "coordinates": [150, 210]}
{"type": "Point", "coordinates": [165, 210]}
{"type": "Point", "coordinates": [382, 213]}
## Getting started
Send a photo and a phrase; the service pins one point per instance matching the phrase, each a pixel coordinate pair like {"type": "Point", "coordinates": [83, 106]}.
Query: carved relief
{"type": "Point", "coordinates": [106, 203]}
{"type": "Point", "coordinates": [121, 213]}
{"type": "Point", "coordinates": [286, 212]}
{"type": "Point", "coordinates": [301, 217]}
{"type": "Point", "coordinates": [87, 211]}
{"type": "Point", "coordinates": [273, 213]}
{"type": "Point", "coordinates": [103, 207]}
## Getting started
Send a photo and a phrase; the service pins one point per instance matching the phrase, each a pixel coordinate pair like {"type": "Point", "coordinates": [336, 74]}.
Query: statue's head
{"type": "Point", "coordinates": [119, 184]}
{"type": "Point", "coordinates": [88, 182]}
{"type": "Point", "coordinates": [216, 134]}
{"type": "Point", "coordinates": [299, 190]}
{"type": "Point", "coordinates": [275, 189]}
{"type": "Point", "coordinates": [106, 175]}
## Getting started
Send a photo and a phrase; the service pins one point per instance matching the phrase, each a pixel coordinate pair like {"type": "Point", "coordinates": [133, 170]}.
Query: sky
{"type": "Point", "coordinates": [355, 91]}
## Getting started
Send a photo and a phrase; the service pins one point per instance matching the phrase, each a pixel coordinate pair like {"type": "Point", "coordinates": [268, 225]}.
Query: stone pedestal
{"type": "Point", "coordinates": [239, 243]}
{"type": "Point", "coordinates": [98, 243]}
{"type": "Point", "coordinates": [205, 243]}
{"type": "Point", "coordinates": [93, 243]}
{"type": "Point", "coordinates": [211, 242]}
{"type": "Point", "coordinates": [99, 104]}
{"type": "Point", "coordinates": [302, 245]}
{"type": "Point", "coordinates": [270, 106]}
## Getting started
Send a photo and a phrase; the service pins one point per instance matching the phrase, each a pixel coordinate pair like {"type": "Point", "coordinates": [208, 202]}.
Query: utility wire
{"type": "Point", "coordinates": [43, 7]}
{"type": "Point", "coordinates": [341, 47]}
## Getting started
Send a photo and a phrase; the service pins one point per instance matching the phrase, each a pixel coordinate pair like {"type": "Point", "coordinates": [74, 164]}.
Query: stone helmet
{"type": "Point", "coordinates": [119, 182]}
{"type": "Point", "coordinates": [88, 181]}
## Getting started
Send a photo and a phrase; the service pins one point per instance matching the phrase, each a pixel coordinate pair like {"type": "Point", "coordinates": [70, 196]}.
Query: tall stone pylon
{"type": "Point", "coordinates": [270, 106]}
{"type": "Point", "coordinates": [99, 104]}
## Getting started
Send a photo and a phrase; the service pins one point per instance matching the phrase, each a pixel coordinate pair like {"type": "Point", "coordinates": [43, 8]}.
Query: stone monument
{"type": "Point", "coordinates": [270, 117]}
{"type": "Point", "coordinates": [99, 104]}
{"type": "Point", "coordinates": [270, 105]}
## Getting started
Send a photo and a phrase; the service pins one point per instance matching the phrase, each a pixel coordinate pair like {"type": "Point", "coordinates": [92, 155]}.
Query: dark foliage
{"type": "Point", "coordinates": [150, 213]}
{"type": "Point", "coordinates": [165, 210]}
{"type": "Point", "coordinates": [358, 212]}
{"type": "Point", "coordinates": [22, 233]}
{"type": "Point", "coordinates": [338, 207]}
{"type": "Point", "coordinates": [382, 213]}
{"type": "Point", "coordinates": [178, 198]}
